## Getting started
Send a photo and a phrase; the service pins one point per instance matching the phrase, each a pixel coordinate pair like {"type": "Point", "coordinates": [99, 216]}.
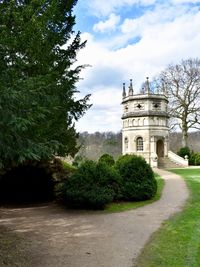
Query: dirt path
{"type": "Point", "coordinates": [58, 238]}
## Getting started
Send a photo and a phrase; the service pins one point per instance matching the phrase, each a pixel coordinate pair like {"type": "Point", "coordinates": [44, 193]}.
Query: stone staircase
{"type": "Point", "coordinates": [167, 163]}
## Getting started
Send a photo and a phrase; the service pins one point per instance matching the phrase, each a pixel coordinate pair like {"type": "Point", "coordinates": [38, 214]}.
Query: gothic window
{"type": "Point", "coordinates": [126, 142]}
{"type": "Point", "coordinates": [139, 144]}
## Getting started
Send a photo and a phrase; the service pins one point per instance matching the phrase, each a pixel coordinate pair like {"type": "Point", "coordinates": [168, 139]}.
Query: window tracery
{"type": "Point", "coordinates": [139, 144]}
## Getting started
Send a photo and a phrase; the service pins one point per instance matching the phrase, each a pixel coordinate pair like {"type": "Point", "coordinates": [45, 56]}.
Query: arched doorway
{"type": "Point", "coordinates": [160, 148]}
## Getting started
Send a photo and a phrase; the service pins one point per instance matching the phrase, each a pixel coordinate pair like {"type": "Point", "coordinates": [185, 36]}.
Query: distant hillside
{"type": "Point", "coordinates": [92, 146]}
{"type": "Point", "coordinates": [194, 141]}
{"type": "Point", "coordinates": [96, 144]}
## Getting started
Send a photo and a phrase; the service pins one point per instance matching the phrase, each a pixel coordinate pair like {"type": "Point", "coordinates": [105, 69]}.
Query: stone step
{"type": "Point", "coordinates": [167, 163]}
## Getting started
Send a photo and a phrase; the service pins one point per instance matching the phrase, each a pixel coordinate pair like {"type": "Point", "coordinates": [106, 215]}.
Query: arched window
{"type": "Point", "coordinates": [126, 142]}
{"type": "Point", "coordinates": [139, 144]}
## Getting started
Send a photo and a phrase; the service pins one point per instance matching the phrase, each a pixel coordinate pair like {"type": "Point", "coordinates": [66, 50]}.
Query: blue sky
{"type": "Point", "coordinates": [130, 39]}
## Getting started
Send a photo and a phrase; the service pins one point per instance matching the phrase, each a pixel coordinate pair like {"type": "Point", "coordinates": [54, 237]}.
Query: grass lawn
{"type": "Point", "coordinates": [123, 206]}
{"type": "Point", "coordinates": [177, 243]}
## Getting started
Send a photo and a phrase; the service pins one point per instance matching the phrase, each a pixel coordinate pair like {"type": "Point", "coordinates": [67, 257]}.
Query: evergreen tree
{"type": "Point", "coordinates": [38, 80]}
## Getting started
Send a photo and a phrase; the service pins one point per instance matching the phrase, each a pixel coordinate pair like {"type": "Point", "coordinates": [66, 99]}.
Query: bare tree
{"type": "Point", "coordinates": [182, 83]}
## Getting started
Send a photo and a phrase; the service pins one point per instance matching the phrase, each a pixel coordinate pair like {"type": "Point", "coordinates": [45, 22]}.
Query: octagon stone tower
{"type": "Point", "coordinates": [145, 129]}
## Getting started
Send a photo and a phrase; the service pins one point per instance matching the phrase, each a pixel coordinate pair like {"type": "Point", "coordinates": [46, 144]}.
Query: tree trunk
{"type": "Point", "coordinates": [184, 136]}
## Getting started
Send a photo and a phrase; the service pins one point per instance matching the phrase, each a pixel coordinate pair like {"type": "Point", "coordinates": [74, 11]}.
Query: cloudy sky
{"type": "Point", "coordinates": [130, 39]}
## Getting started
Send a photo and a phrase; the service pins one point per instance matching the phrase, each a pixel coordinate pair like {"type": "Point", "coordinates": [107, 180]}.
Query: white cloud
{"type": "Point", "coordinates": [160, 16]}
{"type": "Point", "coordinates": [108, 25]}
{"type": "Point", "coordinates": [105, 7]}
{"type": "Point", "coordinates": [185, 1]}
{"type": "Point", "coordinates": [167, 35]}
{"type": "Point", "coordinates": [105, 113]}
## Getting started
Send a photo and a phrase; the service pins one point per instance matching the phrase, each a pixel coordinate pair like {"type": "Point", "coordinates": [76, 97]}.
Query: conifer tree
{"type": "Point", "coordinates": [38, 49]}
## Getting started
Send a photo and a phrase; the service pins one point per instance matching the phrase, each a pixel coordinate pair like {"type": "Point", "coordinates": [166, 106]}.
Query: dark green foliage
{"type": "Point", "coordinates": [28, 182]}
{"type": "Point", "coordinates": [78, 160]}
{"type": "Point", "coordinates": [68, 166]}
{"type": "Point", "coordinates": [34, 181]}
{"type": "Point", "coordinates": [93, 185]}
{"type": "Point", "coordinates": [60, 170]}
{"type": "Point", "coordinates": [184, 151]}
{"type": "Point", "coordinates": [108, 159]}
{"type": "Point", "coordinates": [138, 182]}
{"type": "Point", "coordinates": [194, 159]}
{"type": "Point", "coordinates": [38, 80]}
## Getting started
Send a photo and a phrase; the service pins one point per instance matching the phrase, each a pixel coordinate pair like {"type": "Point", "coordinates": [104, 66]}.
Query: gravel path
{"type": "Point", "coordinates": [59, 238]}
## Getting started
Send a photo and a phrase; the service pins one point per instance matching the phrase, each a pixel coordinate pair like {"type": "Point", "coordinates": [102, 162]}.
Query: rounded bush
{"type": "Point", "coordinates": [138, 181]}
{"type": "Point", "coordinates": [92, 186]}
{"type": "Point", "coordinates": [108, 159]}
{"type": "Point", "coordinates": [183, 151]}
{"type": "Point", "coordinates": [194, 159]}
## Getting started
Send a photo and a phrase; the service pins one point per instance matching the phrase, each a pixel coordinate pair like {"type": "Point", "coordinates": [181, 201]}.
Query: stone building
{"type": "Point", "coordinates": [145, 130]}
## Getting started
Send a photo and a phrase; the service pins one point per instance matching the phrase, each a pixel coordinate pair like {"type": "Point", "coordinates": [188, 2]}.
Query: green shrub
{"type": "Point", "coordinates": [183, 151]}
{"type": "Point", "coordinates": [92, 186]}
{"type": "Point", "coordinates": [60, 172]}
{"type": "Point", "coordinates": [194, 159]}
{"type": "Point", "coordinates": [138, 182]}
{"type": "Point", "coordinates": [78, 160]}
{"type": "Point", "coordinates": [108, 159]}
{"type": "Point", "coordinates": [67, 166]}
